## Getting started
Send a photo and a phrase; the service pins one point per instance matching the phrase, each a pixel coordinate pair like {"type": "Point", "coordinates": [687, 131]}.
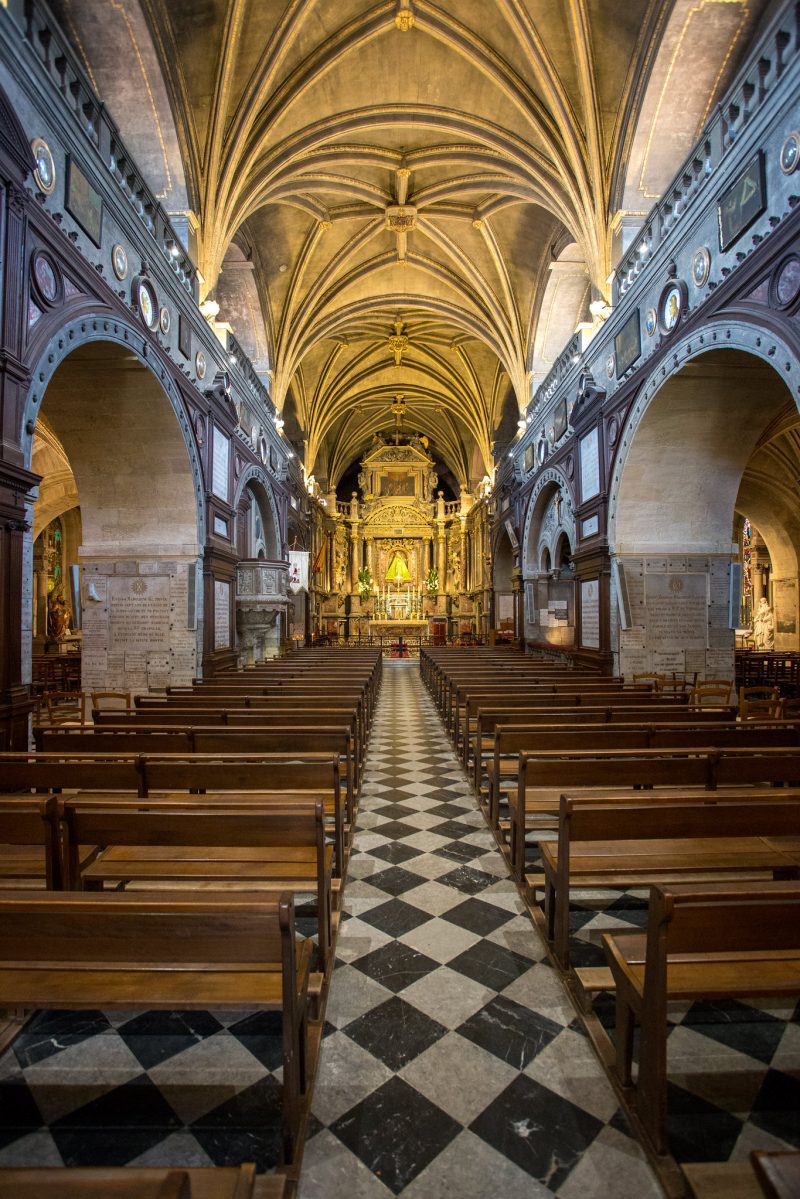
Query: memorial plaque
{"type": "Point", "coordinates": [138, 613]}
{"type": "Point", "coordinates": [222, 614]}
{"type": "Point", "coordinates": [505, 607]}
{"type": "Point", "coordinates": [220, 462]}
{"type": "Point", "coordinates": [669, 661]}
{"type": "Point", "coordinates": [677, 611]}
{"type": "Point", "coordinates": [590, 526]}
{"type": "Point", "coordinates": [590, 614]}
{"type": "Point", "coordinates": [590, 465]}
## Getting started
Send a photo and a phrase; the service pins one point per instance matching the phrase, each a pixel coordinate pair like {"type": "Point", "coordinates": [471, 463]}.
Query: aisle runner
{"type": "Point", "coordinates": [453, 1063]}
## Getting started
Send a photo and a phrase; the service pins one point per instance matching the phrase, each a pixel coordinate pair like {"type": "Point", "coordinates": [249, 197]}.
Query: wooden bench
{"type": "Point", "coordinates": [711, 942]}
{"type": "Point", "coordinates": [119, 950]}
{"type": "Point", "coordinates": [544, 776]}
{"type": "Point", "coordinates": [140, 1182]}
{"type": "Point", "coordinates": [627, 840]}
{"type": "Point", "coordinates": [775, 1175]}
{"type": "Point", "coordinates": [276, 848]}
{"type": "Point", "coordinates": [29, 842]}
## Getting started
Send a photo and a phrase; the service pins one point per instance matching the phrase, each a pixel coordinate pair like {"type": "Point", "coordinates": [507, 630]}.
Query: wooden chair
{"type": "Point", "coordinates": [758, 703]}
{"type": "Point", "coordinates": [649, 682]}
{"type": "Point", "coordinates": [66, 707]}
{"type": "Point", "coordinates": [111, 701]}
{"type": "Point", "coordinates": [711, 693]}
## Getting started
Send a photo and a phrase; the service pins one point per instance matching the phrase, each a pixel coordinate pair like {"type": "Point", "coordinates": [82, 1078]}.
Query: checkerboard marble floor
{"type": "Point", "coordinates": [452, 1062]}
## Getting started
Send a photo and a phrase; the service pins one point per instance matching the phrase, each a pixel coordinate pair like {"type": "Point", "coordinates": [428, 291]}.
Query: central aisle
{"type": "Point", "coordinates": [453, 1064]}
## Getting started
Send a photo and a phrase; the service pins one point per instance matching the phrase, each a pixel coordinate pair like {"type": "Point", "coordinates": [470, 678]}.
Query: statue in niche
{"type": "Point", "coordinates": [57, 616]}
{"type": "Point", "coordinates": [764, 626]}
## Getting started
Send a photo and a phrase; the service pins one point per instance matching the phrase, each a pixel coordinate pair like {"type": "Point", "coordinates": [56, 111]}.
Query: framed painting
{"type": "Point", "coordinates": [560, 420]}
{"type": "Point", "coordinates": [184, 336]}
{"type": "Point", "coordinates": [743, 202]}
{"type": "Point", "coordinates": [83, 202]}
{"type": "Point", "coordinates": [628, 344]}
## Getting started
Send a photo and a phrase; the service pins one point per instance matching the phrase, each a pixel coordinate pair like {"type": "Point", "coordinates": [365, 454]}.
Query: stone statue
{"type": "Point", "coordinates": [764, 626]}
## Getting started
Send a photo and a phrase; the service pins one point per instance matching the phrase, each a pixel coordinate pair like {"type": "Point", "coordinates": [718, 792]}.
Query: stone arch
{"type": "Point", "coordinates": [116, 410]}
{"type": "Point", "coordinates": [684, 467]}
{"type": "Point", "coordinates": [257, 480]}
{"type": "Point", "coordinates": [551, 480]}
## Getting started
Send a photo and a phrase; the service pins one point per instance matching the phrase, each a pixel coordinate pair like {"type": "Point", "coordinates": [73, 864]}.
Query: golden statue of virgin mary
{"type": "Point", "coordinates": [397, 571]}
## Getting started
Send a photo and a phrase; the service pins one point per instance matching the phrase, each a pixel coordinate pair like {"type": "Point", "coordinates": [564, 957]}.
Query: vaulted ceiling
{"type": "Point", "coordinates": [413, 170]}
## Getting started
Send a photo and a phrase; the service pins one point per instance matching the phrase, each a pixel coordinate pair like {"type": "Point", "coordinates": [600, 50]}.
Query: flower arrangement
{"type": "Point", "coordinates": [432, 581]}
{"type": "Point", "coordinates": [365, 583]}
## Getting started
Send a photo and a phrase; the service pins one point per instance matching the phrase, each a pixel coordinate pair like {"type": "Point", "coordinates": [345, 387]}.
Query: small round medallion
{"type": "Point", "coordinates": [650, 322]}
{"type": "Point", "coordinates": [46, 280]}
{"type": "Point", "coordinates": [263, 449]}
{"type": "Point", "coordinates": [541, 450]}
{"type": "Point", "coordinates": [611, 366]}
{"type": "Point", "coordinates": [146, 300]}
{"type": "Point", "coordinates": [670, 307]}
{"type": "Point", "coordinates": [45, 173]}
{"type": "Point", "coordinates": [200, 364]}
{"type": "Point", "coordinates": [789, 158]}
{"type": "Point", "coordinates": [164, 319]}
{"type": "Point", "coordinates": [119, 261]}
{"type": "Point", "coordinates": [785, 287]}
{"type": "Point", "coordinates": [701, 266]}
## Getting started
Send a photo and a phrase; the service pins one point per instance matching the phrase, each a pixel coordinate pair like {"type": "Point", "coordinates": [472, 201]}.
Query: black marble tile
{"type": "Point", "coordinates": [395, 1032]}
{"type": "Point", "coordinates": [247, 1127]}
{"type": "Point", "coordinates": [396, 1132]}
{"type": "Point", "coordinates": [776, 1108]}
{"type": "Point", "coordinates": [746, 1029]}
{"type": "Point", "coordinates": [460, 851]}
{"type": "Point", "coordinates": [50, 1032]}
{"type": "Point", "coordinates": [538, 1130]}
{"type": "Point", "coordinates": [396, 966]}
{"type": "Point", "coordinates": [116, 1127]}
{"type": "Point", "coordinates": [490, 965]}
{"type": "Point", "coordinates": [395, 829]}
{"type": "Point", "coordinates": [19, 1113]}
{"type": "Point", "coordinates": [395, 852]}
{"type": "Point", "coordinates": [394, 880]}
{"type": "Point", "coordinates": [699, 1131]}
{"type": "Point", "coordinates": [510, 1031]}
{"type": "Point", "coordinates": [261, 1034]}
{"type": "Point", "coordinates": [454, 829]}
{"type": "Point", "coordinates": [468, 879]}
{"type": "Point", "coordinates": [477, 916]}
{"type": "Point", "coordinates": [392, 811]}
{"type": "Point", "coordinates": [450, 810]}
{"type": "Point", "coordinates": [395, 917]}
{"type": "Point", "coordinates": [156, 1036]}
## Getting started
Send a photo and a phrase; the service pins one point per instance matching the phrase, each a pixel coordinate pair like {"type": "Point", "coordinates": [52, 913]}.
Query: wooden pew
{"type": "Point", "coordinates": [29, 842]}
{"type": "Point", "coordinates": [627, 840]}
{"type": "Point", "coordinates": [775, 1175]}
{"type": "Point", "coordinates": [510, 742]}
{"type": "Point", "coordinates": [276, 848]}
{"type": "Point", "coordinates": [120, 950]}
{"type": "Point", "coordinates": [140, 1182]}
{"type": "Point", "coordinates": [544, 776]}
{"type": "Point", "coordinates": [702, 942]}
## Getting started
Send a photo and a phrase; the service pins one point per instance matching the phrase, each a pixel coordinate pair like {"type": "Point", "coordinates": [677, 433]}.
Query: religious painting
{"type": "Point", "coordinates": [397, 571]}
{"type": "Point", "coordinates": [529, 458]}
{"type": "Point", "coordinates": [743, 202]}
{"type": "Point", "coordinates": [671, 306]}
{"type": "Point", "coordinates": [628, 344]}
{"type": "Point", "coordinates": [398, 483]}
{"type": "Point", "coordinates": [83, 202]}
{"type": "Point", "coordinates": [184, 336]}
{"type": "Point", "coordinates": [560, 420]}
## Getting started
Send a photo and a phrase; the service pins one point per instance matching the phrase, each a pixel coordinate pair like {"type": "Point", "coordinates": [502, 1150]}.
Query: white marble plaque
{"type": "Point", "coordinates": [677, 611]}
{"type": "Point", "coordinates": [505, 607]}
{"type": "Point", "coordinates": [590, 465]}
{"type": "Point", "coordinates": [222, 614]}
{"type": "Point", "coordinates": [138, 613]}
{"type": "Point", "coordinates": [669, 661]}
{"type": "Point", "coordinates": [590, 526]}
{"type": "Point", "coordinates": [590, 614]}
{"type": "Point", "coordinates": [219, 467]}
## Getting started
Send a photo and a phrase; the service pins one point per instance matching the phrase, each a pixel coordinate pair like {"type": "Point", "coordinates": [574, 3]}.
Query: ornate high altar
{"type": "Point", "coordinates": [398, 552]}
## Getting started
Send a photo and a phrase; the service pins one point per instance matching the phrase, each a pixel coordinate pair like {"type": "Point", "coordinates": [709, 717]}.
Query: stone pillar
{"type": "Point", "coordinates": [355, 557]}
{"type": "Point", "coordinates": [463, 555]}
{"type": "Point", "coordinates": [441, 553]}
{"type": "Point", "coordinates": [371, 556]}
{"type": "Point", "coordinates": [519, 604]}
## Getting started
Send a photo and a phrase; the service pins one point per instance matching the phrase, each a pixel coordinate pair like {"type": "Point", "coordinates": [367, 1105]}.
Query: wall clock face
{"type": "Point", "coordinates": [119, 261]}
{"type": "Point", "coordinates": [45, 173]}
{"type": "Point", "coordinates": [146, 299]}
